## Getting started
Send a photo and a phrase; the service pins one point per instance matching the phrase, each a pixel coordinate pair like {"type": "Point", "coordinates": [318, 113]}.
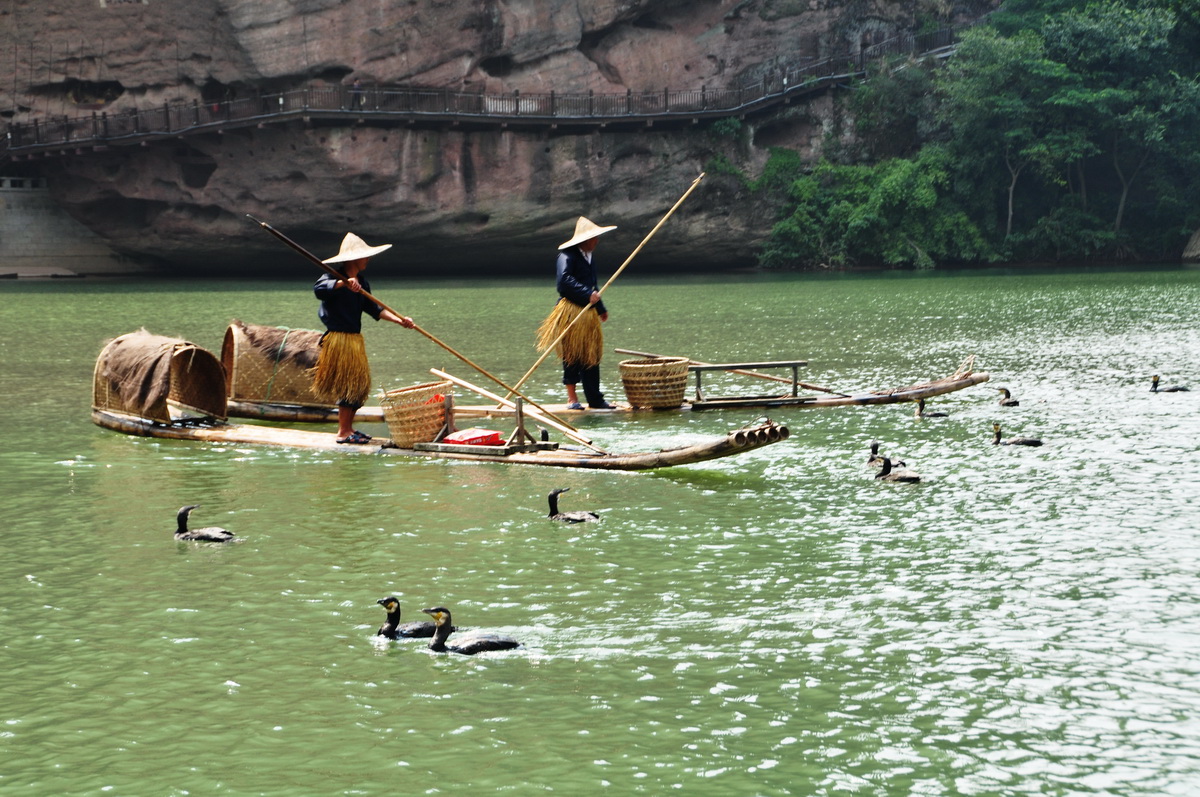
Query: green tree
{"type": "Point", "coordinates": [1130, 96]}
{"type": "Point", "coordinates": [999, 97]}
{"type": "Point", "coordinates": [899, 212]}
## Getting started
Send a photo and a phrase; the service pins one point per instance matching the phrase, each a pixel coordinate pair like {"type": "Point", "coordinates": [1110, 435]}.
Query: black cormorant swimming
{"type": "Point", "coordinates": [874, 460]}
{"type": "Point", "coordinates": [1006, 399]}
{"type": "Point", "coordinates": [921, 413]}
{"type": "Point", "coordinates": [902, 476]}
{"type": "Point", "coordinates": [1156, 388]}
{"type": "Point", "coordinates": [568, 517]}
{"type": "Point", "coordinates": [1012, 441]}
{"type": "Point", "coordinates": [208, 534]}
{"type": "Point", "coordinates": [467, 644]}
{"type": "Point", "coordinates": [394, 629]}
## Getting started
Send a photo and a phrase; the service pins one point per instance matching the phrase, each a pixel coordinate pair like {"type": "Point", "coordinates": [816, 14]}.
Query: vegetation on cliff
{"type": "Point", "coordinates": [1058, 131]}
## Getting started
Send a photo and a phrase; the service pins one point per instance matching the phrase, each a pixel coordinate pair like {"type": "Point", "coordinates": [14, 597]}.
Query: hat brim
{"type": "Point", "coordinates": [358, 254]}
{"type": "Point", "coordinates": [595, 232]}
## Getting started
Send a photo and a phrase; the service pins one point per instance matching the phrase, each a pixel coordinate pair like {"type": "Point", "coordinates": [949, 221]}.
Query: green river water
{"type": "Point", "coordinates": [1025, 621]}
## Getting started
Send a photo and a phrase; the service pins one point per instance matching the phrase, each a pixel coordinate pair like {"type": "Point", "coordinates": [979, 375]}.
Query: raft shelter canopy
{"type": "Point", "coordinates": [271, 364]}
{"type": "Point", "coordinates": [158, 378]}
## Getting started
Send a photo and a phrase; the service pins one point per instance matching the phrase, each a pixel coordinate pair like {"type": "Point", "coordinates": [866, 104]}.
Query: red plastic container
{"type": "Point", "coordinates": [474, 437]}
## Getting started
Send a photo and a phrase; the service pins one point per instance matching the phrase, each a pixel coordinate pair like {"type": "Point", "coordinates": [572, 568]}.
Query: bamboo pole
{"type": "Point", "coordinates": [616, 274]}
{"type": "Point", "coordinates": [741, 371]}
{"type": "Point", "coordinates": [547, 419]}
{"type": "Point", "coordinates": [337, 273]}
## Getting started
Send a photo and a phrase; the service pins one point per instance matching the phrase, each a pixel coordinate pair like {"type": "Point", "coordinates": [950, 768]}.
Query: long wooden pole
{"type": "Point", "coordinates": [487, 394]}
{"type": "Point", "coordinates": [741, 371]}
{"type": "Point", "coordinates": [337, 273]}
{"type": "Point", "coordinates": [616, 274]}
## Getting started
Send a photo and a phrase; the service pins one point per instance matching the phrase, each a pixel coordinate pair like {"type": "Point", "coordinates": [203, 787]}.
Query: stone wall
{"type": "Point", "coordinates": [38, 239]}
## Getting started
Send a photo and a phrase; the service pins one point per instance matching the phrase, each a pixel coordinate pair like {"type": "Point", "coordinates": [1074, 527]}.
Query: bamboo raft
{"type": "Point", "coordinates": [151, 386]}
{"type": "Point", "coordinates": [267, 370]}
{"type": "Point", "coordinates": [300, 413]}
{"type": "Point", "coordinates": [552, 454]}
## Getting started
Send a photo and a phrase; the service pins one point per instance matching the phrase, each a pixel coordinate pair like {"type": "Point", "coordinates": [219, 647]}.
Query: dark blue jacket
{"type": "Point", "coordinates": [341, 308]}
{"type": "Point", "coordinates": [577, 278]}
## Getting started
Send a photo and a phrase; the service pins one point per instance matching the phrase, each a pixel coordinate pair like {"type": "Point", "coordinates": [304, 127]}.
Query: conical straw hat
{"type": "Point", "coordinates": [585, 229]}
{"type": "Point", "coordinates": [355, 248]}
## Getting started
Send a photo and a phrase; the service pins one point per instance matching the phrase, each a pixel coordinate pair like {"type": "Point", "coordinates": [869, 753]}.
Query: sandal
{"type": "Point", "coordinates": [355, 438]}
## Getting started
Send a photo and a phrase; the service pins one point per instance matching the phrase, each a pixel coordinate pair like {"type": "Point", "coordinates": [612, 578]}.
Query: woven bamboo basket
{"type": "Point", "coordinates": [415, 414]}
{"type": "Point", "coordinates": [657, 383]}
{"type": "Point", "coordinates": [271, 364]}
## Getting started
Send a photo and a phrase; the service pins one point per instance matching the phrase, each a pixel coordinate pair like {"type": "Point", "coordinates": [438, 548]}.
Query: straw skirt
{"type": "Point", "coordinates": [342, 375]}
{"type": "Point", "coordinates": [584, 342]}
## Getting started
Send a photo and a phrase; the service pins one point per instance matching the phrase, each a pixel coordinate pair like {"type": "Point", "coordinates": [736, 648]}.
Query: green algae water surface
{"type": "Point", "coordinates": [1024, 621]}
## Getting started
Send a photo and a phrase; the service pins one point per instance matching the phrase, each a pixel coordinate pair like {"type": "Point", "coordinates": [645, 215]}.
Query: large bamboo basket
{"type": "Point", "coordinates": [656, 383]}
{"type": "Point", "coordinates": [415, 414]}
{"type": "Point", "coordinates": [271, 364]}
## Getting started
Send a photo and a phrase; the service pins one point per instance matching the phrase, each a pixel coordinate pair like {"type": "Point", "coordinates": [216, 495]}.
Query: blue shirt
{"type": "Point", "coordinates": [577, 278]}
{"type": "Point", "coordinates": [341, 308]}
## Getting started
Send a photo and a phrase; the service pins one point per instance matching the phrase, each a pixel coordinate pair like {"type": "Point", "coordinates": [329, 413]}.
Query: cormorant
{"type": "Point", "coordinates": [903, 476]}
{"type": "Point", "coordinates": [394, 629]}
{"type": "Point", "coordinates": [921, 413]}
{"type": "Point", "coordinates": [874, 460]}
{"type": "Point", "coordinates": [207, 534]}
{"type": "Point", "coordinates": [1155, 388]}
{"type": "Point", "coordinates": [468, 644]}
{"type": "Point", "coordinates": [1012, 441]}
{"type": "Point", "coordinates": [568, 517]}
{"type": "Point", "coordinates": [1006, 399]}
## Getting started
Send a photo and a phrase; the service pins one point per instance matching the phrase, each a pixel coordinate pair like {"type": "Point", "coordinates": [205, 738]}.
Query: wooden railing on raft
{"type": "Point", "coordinates": [65, 135]}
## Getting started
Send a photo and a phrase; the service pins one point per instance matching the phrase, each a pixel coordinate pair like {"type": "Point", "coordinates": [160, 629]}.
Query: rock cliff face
{"type": "Point", "coordinates": [498, 199]}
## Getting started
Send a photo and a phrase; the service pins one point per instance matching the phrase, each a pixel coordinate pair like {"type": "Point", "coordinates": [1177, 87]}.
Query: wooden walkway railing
{"type": "Point", "coordinates": [54, 136]}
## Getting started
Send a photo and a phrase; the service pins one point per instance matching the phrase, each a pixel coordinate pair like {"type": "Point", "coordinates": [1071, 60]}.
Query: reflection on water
{"type": "Point", "coordinates": [1023, 621]}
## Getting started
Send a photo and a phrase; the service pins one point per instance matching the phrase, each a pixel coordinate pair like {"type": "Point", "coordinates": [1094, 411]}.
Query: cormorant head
{"type": "Point", "coordinates": [440, 615]}
{"type": "Point", "coordinates": [391, 603]}
{"type": "Point", "coordinates": [182, 517]}
{"type": "Point", "coordinates": [1004, 392]}
{"type": "Point", "coordinates": [559, 490]}
{"type": "Point", "coordinates": [874, 446]}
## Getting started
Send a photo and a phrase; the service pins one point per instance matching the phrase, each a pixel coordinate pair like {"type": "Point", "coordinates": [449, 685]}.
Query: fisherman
{"type": "Point", "coordinates": [343, 375]}
{"type": "Point", "coordinates": [583, 345]}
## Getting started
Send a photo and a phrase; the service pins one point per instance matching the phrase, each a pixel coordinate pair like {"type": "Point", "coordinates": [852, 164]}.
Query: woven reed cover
{"type": "Point", "coordinates": [413, 414]}
{"type": "Point", "coordinates": [271, 364]}
{"type": "Point", "coordinates": [139, 373]}
{"type": "Point", "coordinates": [657, 383]}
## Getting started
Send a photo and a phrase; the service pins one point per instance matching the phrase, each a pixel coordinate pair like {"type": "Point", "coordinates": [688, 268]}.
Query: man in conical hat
{"type": "Point", "coordinates": [342, 375]}
{"type": "Point", "coordinates": [583, 345]}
